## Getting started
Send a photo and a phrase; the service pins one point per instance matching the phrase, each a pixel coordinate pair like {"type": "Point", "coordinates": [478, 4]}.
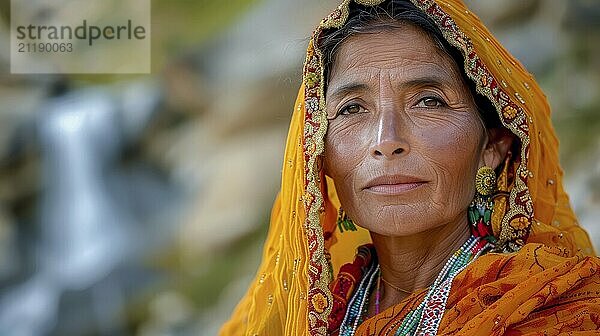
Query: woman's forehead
{"type": "Point", "coordinates": [402, 54]}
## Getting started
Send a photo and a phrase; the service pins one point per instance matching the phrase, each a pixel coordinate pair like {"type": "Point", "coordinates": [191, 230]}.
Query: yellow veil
{"type": "Point", "coordinates": [290, 294]}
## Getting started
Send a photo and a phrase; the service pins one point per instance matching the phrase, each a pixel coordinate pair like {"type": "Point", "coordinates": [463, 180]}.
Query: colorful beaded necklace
{"type": "Point", "coordinates": [426, 317]}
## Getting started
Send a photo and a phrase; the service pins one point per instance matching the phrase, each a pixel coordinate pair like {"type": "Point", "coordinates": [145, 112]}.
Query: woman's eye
{"type": "Point", "coordinates": [351, 109]}
{"type": "Point", "coordinates": [431, 102]}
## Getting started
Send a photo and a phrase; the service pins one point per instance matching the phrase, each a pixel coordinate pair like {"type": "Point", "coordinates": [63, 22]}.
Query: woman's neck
{"type": "Point", "coordinates": [413, 262]}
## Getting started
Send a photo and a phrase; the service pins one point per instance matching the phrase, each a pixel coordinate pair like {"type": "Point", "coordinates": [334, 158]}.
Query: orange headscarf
{"type": "Point", "coordinates": [290, 294]}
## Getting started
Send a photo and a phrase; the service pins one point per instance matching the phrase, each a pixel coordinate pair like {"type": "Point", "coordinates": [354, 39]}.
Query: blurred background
{"type": "Point", "coordinates": [138, 204]}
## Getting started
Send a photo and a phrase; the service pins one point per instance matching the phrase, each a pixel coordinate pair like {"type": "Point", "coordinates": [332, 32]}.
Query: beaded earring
{"type": "Point", "coordinates": [344, 222]}
{"type": "Point", "coordinates": [480, 209]}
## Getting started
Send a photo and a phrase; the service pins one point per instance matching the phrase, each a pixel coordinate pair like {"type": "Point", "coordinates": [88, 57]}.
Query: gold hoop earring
{"type": "Point", "coordinates": [480, 210]}
{"type": "Point", "coordinates": [485, 181]}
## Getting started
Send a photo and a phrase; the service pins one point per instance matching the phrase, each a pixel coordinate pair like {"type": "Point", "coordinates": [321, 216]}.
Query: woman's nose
{"type": "Point", "coordinates": [389, 149]}
{"type": "Point", "coordinates": [390, 141]}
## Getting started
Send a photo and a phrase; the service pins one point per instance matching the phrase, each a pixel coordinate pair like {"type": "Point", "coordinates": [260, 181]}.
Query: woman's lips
{"type": "Point", "coordinates": [393, 184]}
{"type": "Point", "coordinates": [394, 189]}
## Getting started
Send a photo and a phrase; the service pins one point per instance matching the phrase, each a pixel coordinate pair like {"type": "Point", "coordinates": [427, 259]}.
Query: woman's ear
{"type": "Point", "coordinates": [499, 143]}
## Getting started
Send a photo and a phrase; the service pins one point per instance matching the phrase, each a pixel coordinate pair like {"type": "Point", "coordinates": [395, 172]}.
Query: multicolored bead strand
{"type": "Point", "coordinates": [347, 281]}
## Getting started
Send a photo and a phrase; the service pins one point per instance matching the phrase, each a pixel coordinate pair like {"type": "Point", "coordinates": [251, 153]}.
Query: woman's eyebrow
{"type": "Point", "coordinates": [347, 88]}
{"type": "Point", "coordinates": [436, 81]}
{"type": "Point", "coordinates": [351, 87]}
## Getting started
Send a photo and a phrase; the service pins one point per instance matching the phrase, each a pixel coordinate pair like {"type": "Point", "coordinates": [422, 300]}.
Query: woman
{"type": "Point", "coordinates": [421, 192]}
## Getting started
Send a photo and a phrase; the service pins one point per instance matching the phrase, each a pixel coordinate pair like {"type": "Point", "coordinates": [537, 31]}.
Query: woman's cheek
{"type": "Point", "coordinates": [453, 153]}
{"type": "Point", "coordinates": [345, 144]}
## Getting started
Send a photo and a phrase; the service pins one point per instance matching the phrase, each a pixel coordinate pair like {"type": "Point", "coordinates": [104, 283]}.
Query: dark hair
{"type": "Point", "coordinates": [390, 15]}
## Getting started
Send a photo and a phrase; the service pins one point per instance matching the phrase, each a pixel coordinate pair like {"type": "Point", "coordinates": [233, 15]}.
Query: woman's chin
{"type": "Point", "coordinates": [410, 226]}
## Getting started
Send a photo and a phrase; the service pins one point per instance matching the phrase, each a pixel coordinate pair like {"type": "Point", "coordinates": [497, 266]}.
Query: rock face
{"type": "Point", "coordinates": [196, 158]}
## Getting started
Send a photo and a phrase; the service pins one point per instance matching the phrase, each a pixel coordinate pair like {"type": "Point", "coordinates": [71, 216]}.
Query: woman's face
{"type": "Point", "coordinates": [404, 139]}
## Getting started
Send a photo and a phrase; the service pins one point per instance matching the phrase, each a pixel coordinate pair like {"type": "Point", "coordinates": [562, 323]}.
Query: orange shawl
{"type": "Point", "coordinates": [537, 291]}
{"type": "Point", "coordinates": [537, 282]}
